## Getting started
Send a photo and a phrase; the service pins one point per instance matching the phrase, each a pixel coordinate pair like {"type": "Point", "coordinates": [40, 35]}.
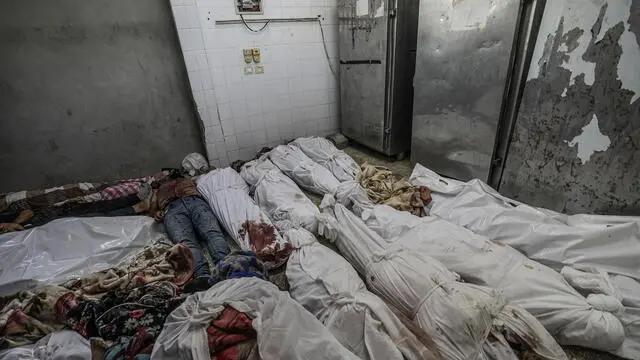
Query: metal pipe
{"type": "Point", "coordinates": [273, 20]}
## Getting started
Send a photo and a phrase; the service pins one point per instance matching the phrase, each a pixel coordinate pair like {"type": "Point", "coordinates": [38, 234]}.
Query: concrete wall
{"type": "Point", "coordinates": [576, 146]}
{"type": "Point", "coordinates": [91, 90]}
{"type": "Point", "coordinates": [297, 94]}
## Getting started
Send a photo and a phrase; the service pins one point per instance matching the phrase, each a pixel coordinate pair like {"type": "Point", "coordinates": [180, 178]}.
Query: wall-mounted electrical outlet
{"type": "Point", "coordinates": [248, 55]}
{"type": "Point", "coordinates": [256, 55]}
{"type": "Point", "coordinates": [244, 7]}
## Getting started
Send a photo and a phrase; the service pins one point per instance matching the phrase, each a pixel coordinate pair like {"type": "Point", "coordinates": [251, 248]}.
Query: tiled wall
{"type": "Point", "coordinates": [297, 94]}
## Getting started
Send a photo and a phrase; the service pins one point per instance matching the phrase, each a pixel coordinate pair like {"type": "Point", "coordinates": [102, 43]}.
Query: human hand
{"type": "Point", "coordinates": [159, 215]}
{"type": "Point", "coordinates": [10, 227]}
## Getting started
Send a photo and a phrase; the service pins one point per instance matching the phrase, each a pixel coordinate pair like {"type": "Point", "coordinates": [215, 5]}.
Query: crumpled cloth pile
{"type": "Point", "coordinates": [103, 302]}
{"type": "Point", "coordinates": [383, 187]}
{"type": "Point", "coordinates": [159, 262]}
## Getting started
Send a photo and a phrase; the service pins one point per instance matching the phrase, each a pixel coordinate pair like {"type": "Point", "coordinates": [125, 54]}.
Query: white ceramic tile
{"type": "Point", "coordinates": [232, 142]}
{"type": "Point", "coordinates": [213, 114]}
{"type": "Point", "coordinates": [224, 111]}
{"type": "Point", "coordinates": [259, 137]}
{"type": "Point", "coordinates": [204, 116]}
{"type": "Point", "coordinates": [195, 81]}
{"type": "Point", "coordinates": [228, 127]}
{"type": "Point", "coordinates": [234, 155]}
{"type": "Point", "coordinates": [207, 17]}
{"type": "Point", "coordinates": [205, 77]}
{"type": "Point", "coordinates": [245, 140]}
{"type": "Point", "coordinates": [190, 39]}
{"type": "Point", "coordinates": [242, 125]}
{"type": "Point", "coordinates": [193, 17]}
{"type": "Point", "coordinates": [210, 98]}
{"type": "Point", "coordinates": [201, 60]}
{"type": "Point", "coordinates": [191, 60]}
{"type": "Point", "coordinates": [180, 16]}
{"type": "Point", "coordinates": [211, 151]}
{"type": "Point", "coordinates": [256, 122]}
{"type": "Point", "coordinates": [239, 109]}
{"type": "Point", "coordinates": [253, 107]}
{"type": "Point", "coordinates": [270, 120]}
{"type": "Point", "coordinates": [234, 75]}
{"type": "Point", "coordinates": [213, 133]}
{"type": "Point", "coordinates": [273, 134]}
{"type": "Point", "coordinates": [200, 99]}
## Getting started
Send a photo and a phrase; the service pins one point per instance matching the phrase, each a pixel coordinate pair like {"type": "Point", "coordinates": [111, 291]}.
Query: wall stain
{"type": "Point", "coordinates": [541, 168]}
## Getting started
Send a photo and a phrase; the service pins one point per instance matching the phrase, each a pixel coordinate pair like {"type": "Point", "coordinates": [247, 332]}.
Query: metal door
{"type": "Point", "coordinates": [463, 58]}
{"type": "Point", "coordinates": [363, 62]}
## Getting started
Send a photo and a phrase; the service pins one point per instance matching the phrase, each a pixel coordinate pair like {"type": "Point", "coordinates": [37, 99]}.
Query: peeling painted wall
{"type": "Point", "coordinates": [576, 144]}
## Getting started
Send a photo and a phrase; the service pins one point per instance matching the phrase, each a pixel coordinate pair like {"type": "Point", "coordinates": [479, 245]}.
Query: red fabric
{"type": "Point", "coordinates": [124, 188]}
{"type": "Point", "coordinates": [228, 330]}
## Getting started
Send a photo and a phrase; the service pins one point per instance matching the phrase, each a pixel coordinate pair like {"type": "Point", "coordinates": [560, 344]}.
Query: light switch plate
{"type": "Point", "coordinates": [249, 70]}
{"type": "Point", "coordinates": [259, 70]}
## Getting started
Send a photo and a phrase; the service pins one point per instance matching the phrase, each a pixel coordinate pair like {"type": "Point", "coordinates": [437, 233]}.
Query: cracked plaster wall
{"type": "Point", "coordinates": [575, 147]}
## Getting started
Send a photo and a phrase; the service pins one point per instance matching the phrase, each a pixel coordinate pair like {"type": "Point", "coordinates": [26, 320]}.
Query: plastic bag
{"type": "Point", "coordinates": [524, 283]}
{"type": "Point", "coordinates": [195, 163]}
{"type": "Point", "coordinates": [608, 243]}
{"type": "Point", "coordinates": [250, 227]}
{"type": "Point", "coordinates": [322, 151]}
{"type": "Point", "coordinates": [285, 330]}
{"type": "Point", "coordinates": [307, 173]}
{"type": "Point", "coordinates": [279, 196]}
{"type": "Point", "coordinates": [328, 286]}
{"type": "Point", "coordinates": [59, 345]}
{"type": "Point", "coordinates": [69, 248]}
{"type": "Point", "coordinates": [458, 316]}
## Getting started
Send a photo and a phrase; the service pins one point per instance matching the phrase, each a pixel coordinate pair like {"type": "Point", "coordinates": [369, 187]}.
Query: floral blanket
{"type": "Point", "coordinates": [119, 302]}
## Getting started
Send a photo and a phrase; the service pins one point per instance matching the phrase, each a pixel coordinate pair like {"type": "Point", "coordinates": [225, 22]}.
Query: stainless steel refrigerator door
{"type": "Point", "coordinates": [363, 62]}
{"type": "Point", "coordinates": [463, 58]}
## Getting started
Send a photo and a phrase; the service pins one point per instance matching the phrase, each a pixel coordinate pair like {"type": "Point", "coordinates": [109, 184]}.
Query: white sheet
{"type": "Point", "coordinates": [285, 329]}
{"type": "Point", "coordinates": [279, 196]}
{"type": "Point", "coordinates": [69, 248]}
{"type": "Point", "coordinates": [322, 151]}
{"type": "Point", "coordinates": [248, 225]}
{"type": "Point", "coordinates": [523, 282]}
{"type": "Point", "coordinates": [59, 345]}
{"type": "Point", "coordinates": [307, 173]}
{"type": "Point", "coordinates": [608, 243]}
{"type": "Point", "coordinates": [328, 286]}
{"type": "Point", "coordinates": [457, 316]}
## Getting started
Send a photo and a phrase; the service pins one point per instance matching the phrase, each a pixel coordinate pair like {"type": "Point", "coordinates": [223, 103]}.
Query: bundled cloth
{"type": "Point", "coordinates": [29, 315]}
{"type": "Point", "coordinates": [159, 262]}
{"type": "Point", "coordinates": [566, 314]}
{"type": "Point", "coordinates": [328, 286]}
{"type": "Point", "coordinates": [307, 173]}
{"type": "Point", "coordinates": [322, 151]}
{"type": "Point", "coordinates": [250, 227]}
{"type": "Point", "coordinates": [283, 328]}
{"type": "Point", "coordinates": [127, 321]}
{"type": "Point", "coordinates": [279, 196]}
{"type": "Point", "coordinates": [236, 265]}
{"type": "Point", "coordinates": [383, 187]}
{"type": "Point", "coordinates": [610, 243]}
{"type": "Point", "coordinates": [466, 321]}
{"type": "Point", "coordinates": [59, 345]}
